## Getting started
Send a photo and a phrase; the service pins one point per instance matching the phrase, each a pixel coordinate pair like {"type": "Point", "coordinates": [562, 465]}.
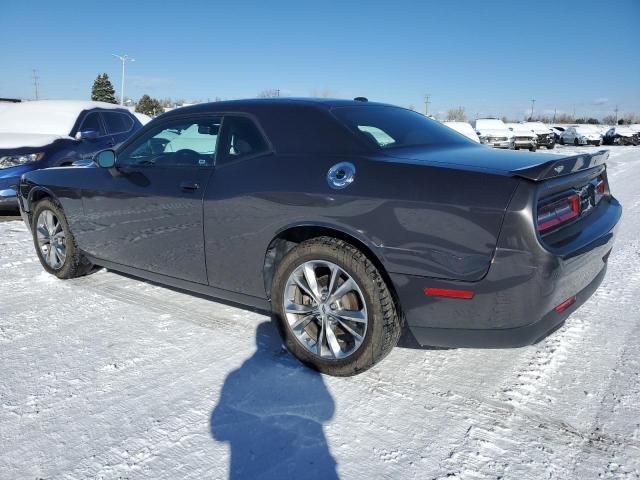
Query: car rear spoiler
{"type": "Point", "coordinates": [562, 166]}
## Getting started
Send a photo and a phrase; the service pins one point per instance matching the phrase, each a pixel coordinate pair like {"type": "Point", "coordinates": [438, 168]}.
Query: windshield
{"type": "Point", "coordinates": [537, 127]}
{"type": "Point", "coordinates": [389, 127]}
{"type": "Point", "coordinates": [491, 123]}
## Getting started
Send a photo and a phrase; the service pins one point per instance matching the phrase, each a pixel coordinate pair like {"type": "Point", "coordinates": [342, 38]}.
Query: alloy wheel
{"type": "Point", "coordinates": [51, 239]}
{"type": "Point", "coordinates": [325, 309]}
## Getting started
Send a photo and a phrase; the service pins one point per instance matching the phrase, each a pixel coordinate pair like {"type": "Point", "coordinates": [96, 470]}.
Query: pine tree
{"type": "Point", "coordinates": [149, 106]}
{"type": "Point", "coordinates": [102, 90]}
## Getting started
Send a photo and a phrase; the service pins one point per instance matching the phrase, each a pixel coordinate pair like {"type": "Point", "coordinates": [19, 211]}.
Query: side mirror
{"type": "Point", "coordinates": [87, 135]}
{"type": "Point", "coordinates": [105, 159]}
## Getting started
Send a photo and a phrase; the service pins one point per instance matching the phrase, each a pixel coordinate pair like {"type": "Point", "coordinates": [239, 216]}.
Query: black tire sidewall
{"type": "Point", "coordinates": [371, 348]}
{"type": "Point", "coordinates": [72, 265]}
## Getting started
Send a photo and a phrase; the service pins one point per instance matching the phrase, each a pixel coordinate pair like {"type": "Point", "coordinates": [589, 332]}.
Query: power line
{"type": "Point", "coordinates": [36, 83]}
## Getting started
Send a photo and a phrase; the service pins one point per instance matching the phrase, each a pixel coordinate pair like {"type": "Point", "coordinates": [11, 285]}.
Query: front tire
{"type": "Point", "coordinates": [55, 245]}
{"type": "Point", "coordinates": [551, 146]}
{"type": "Point", "coordinates": [333, 308]}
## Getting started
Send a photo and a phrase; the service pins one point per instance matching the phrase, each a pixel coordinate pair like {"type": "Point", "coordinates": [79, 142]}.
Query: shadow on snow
{"type": "Point", "coordinates": [271, 412]}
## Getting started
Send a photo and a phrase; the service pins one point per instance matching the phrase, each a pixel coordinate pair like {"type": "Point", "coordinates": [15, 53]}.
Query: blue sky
{"type": "Point", "coordinates": [491, 57]}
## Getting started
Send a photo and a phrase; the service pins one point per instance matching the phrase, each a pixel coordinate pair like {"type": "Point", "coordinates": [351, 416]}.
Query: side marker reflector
{"type": "Point", "coordinates": [443, 292]}
{"type": "Point", "coordinates": [566, 304]}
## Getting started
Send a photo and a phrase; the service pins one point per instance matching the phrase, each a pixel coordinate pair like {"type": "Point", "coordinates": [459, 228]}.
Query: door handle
{"type": "Point", "coordinates": [189, 186]}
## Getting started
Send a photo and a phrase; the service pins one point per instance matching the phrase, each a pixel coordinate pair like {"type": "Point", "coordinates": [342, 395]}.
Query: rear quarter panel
{"type": "Point", "coordinates": [417, 219]}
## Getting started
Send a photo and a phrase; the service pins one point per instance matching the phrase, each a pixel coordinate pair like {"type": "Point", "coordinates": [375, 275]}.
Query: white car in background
{"type": "Point", "coordinates": [581, 135]}
{"type": "Point", "coordinates": [465, 129]}
{"type": "Point", "coordinates": [545, 136]}
{"type": "Point", "coordinates": [524, 137]}
{"type": "Point", "coordinates": [493, 132]}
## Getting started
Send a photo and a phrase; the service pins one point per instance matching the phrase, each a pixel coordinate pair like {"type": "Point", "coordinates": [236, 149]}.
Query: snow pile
{"type": "Point", "coordinates": [48, 117]}
{"type": "Point", "coordinates": [19, 140]}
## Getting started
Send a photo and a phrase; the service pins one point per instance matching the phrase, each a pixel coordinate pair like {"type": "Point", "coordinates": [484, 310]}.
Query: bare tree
{"type": "Point", "coordinates": [269, 93]}
{"type": "Point", "coordinates": [456, 115]}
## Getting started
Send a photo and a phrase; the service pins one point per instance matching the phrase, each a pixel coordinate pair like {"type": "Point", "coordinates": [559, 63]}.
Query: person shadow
{"type": "Point", "coordinates": [271, 412]}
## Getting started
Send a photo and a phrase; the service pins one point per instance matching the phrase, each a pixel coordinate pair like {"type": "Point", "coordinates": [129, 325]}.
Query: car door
{"type": "Point", "coordinates": [235, 217]}
{"type": "Point", "coordinates": [119, 125]}
{"type": "Point", "coordinates": [86, 148]}
{"type": "Point", "coordinates": [146, 212]}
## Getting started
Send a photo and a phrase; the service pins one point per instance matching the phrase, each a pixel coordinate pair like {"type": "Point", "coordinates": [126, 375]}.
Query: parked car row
{"type": "Point", "coordinates": [532, 135]}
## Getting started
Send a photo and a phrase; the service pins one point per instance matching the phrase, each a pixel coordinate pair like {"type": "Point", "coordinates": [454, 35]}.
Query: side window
{"type": "Point", "coordinates": [242, 139]}
{"type": "Point", "coordinates": [92, 122]}
{"type": "Point", "coordinates": [117, 122]}
{"type": "Point", "coordinates": [179, 143]}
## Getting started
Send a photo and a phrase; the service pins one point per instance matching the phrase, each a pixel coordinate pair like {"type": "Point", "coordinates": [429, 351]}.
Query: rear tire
{"type": "Point", "coordinates": [55, 245]}
{"type": "Point", "coordinates": [301, 332]}
{"type": "Point", "coordinates": [532, 148]}
{"type": "Point", "coordinates": [561, 141]}
{"type": "Point", "coordinates": [576, 142]}
{"type": "Point", "coordinates": [551, 146]}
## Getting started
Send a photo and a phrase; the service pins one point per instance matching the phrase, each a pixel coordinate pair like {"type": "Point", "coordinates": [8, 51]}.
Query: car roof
{"type": "Point", "coordinates": [265, 103]}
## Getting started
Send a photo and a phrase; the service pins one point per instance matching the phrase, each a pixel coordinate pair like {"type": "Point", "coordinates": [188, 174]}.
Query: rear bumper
{"type": "Point", "coordinates": [514, 305]}
{"type": "Point", "coordinates": [504, 337]}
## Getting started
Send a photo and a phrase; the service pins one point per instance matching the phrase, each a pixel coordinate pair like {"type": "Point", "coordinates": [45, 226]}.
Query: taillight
{"type": "Point", "coordinates": [558, 212]}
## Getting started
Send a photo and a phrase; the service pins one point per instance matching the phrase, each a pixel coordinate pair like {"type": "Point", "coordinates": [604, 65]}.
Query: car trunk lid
{"type": "Point", "coordinates": [534, 167]}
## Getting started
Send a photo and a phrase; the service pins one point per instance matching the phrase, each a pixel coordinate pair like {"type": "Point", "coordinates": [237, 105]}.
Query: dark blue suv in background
{"type": "Point", "coordinates": [53, 133]}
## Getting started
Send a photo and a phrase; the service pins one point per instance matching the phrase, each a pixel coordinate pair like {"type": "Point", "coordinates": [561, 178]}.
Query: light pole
{"type": "Point", "coordinates": [123, 59]}
{"type": "Point", "coordinates": [533, 102]}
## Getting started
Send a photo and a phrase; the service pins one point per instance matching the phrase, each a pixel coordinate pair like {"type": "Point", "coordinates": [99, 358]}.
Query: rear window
{"type": "Point", "coordinates": [390, 127]}
{"type": "Point", "coordinates": [117, 122]}
{"type": "Point", "coordinates": [92, 122]}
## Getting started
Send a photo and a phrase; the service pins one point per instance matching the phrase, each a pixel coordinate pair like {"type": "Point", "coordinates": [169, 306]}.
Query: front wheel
{"type": "Point", "coordinates": [551, 146]}
{"type": "Point", "coordinates": [576, 142]}
{"type": "Point", "coordinates": [532, 148]}
{"type": "Point", "coordinates": [55, 244]}
{"type": "Point", "coordinates": [333, 308]}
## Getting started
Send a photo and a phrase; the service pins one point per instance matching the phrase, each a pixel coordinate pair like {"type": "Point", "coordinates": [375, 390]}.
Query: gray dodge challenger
{"type": "Point", "coordinates": [356, 224]}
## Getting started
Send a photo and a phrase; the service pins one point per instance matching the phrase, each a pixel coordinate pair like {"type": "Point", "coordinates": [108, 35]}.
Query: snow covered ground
{"type": "Point", "coordinates": [110, 377]}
